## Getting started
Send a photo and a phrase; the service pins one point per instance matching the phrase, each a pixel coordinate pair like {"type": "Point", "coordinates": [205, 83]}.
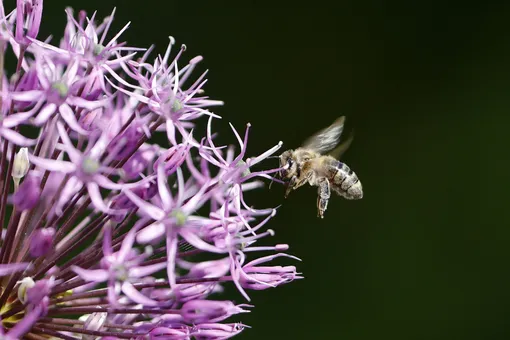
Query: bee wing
{"type": "Point", "coordinates": [342, 147]}
{"type": "Point", "coordinates": [326, 139]}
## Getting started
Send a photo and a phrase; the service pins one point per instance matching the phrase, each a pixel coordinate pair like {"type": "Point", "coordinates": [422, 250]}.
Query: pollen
{"type": "Point", "coordinates": [61, 88]}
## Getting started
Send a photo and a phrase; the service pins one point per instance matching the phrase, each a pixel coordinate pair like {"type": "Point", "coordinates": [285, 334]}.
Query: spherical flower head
{"type": "Point", "coordinates": [115, 197]}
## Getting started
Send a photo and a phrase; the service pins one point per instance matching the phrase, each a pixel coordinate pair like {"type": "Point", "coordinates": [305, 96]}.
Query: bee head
{"type": "Point", "coordinates": [287, 162]}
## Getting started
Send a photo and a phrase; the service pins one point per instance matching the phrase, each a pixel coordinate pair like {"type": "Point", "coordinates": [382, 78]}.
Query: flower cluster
{"type": "Point", "coordinates": [122, 220]}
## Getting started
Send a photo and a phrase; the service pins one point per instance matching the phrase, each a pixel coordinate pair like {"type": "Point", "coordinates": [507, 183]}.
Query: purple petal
{"type": "Point", "coordinates": [45, 114]}
{"type": "Point", "coordinates": [151, 232]}
{"type": "Point", "coordinates": [180, 187]}
{"type": "Point", "coordinates": [50, 47]}
{"type": "Point", "coordinates": [136, 96]}
{"type": "Point", "coordinates": [209, 140]}
{"type": "Point", "coordinates": [52, 165]}
{"type": "Point", "coordinates": [163, 191]}
{"type": "Point", "coordinates": [105, 182]}
{"type": "Point", "coordinates": [148, 208]}
{"type": "Point", "coordinates": [120, 79]}
{"type": "Point", "coordinates": [67, 113]}
{"type": "Point", "coordinates": [27, 96]}
{"type": "Point", "coordinates": [239, 140]}
{"type": "Point", "coordinates": [88, 104]}
{"type": "Point", "coordinates": [269, 258]}
{"type": "Point", "coordinates": [147, 270]}
{"type": "Point", "coordinates": [194, 203]}
{"type": "Point", "coordinates": [96, 198]}
{"type": "Point", "coordinates": [119, 33]}
{"type": "Point", "coordinates": [16, 138]}
{"type": "Point", "coordinates": [170, 132]}
{"type": "Point", "coordinates": [6, 269]}
{"type": "Point", "coordinates": [171, 252]}
{"type": "Point", "coordinates": [197, 242]}
{"type": "Point", "coordinates": [266, 154]}
{"type": "Point", "coordinates": [16, 119]}
{"type": "Point", "coordinates": [127, 244]}
{"type": "Point", "coordinates": [73, 153]}
{"type": "Point", "coordinates": [93, 275]}
{"type": "Point", "coordinates": [71, 72]}
{"type": "Point", "coordinates": [136, 296]}
{"type": "Point", "coordinates": [112, 295]}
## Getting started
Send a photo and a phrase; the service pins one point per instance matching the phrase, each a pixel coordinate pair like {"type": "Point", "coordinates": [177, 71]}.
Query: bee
{"type": "Point", "coordinates": [316, 162]}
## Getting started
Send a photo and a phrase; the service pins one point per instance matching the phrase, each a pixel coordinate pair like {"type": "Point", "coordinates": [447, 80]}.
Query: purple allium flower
{"type": "Point", "coordinates": [102, 224]}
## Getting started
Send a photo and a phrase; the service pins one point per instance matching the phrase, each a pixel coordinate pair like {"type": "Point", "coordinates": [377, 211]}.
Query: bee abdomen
{"type": "Point", "coordinates": [346, 183]}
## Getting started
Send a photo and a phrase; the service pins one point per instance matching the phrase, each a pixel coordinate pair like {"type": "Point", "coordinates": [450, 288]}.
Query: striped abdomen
{"type": "Point", "coordinates": [344, 181]}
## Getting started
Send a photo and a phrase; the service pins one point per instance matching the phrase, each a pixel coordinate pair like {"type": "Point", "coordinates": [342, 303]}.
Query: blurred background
{"type": "Point", "coordinates": [425, 86]}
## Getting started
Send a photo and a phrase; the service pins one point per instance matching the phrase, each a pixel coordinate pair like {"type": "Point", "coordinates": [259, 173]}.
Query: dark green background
{"type": "Point", "coordinates": [425, 86]}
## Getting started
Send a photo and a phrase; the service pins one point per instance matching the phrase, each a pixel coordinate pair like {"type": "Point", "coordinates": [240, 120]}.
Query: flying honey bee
{"type": "Point", "coordinates": [315, 162]}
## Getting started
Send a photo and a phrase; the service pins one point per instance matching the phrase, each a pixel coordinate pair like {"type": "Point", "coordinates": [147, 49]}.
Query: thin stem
{"type": "Point", "coordinates": [49, 326]}
{"type": "Point", "coordinates": [87, 310]}
{"type": "Point", "coordinates": [61, 321]}
{"type": "Point", "coordinates": [43, 330]}
{"type": "Point", "coordinates": [80, 238]}
{"type": "Point", "coordinates": [7, 181]}
{"type": "Point", "coordinates": [92, 253]}
{"type": "Point", "coordinates": [11, 231]}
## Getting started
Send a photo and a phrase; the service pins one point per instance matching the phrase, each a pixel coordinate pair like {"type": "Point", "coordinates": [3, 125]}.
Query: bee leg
{"type": "Point", "coordinates": [295, 183]}
{"type": "Point", "coordinates": [323, 196]}
{"type": "Point", "coordinates": [303, 181]}
{"type": "Point", "coordinates": [290, 185]}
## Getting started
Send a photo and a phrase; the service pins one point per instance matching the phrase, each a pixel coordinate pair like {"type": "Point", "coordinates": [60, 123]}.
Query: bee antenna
{"type": "Point", "coordinates": [273, 157]}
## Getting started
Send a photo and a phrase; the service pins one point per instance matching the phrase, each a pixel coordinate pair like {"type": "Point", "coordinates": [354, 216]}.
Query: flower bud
{"type": "Point", "coordinates": [257, 277]}
{"type": "Point", "coordinates": [25, 284]}
{"type": "Point", "coordinates": [217, 330]}
{"type": "Point", "coordinates": [41, 241]}
{"type": "Point", "coordinates": [169, 333]}
{"type": "Point", "coordinates": [28, 20]}
{"type": "Point", "coordinates": [93, 322]}
{"type": "Point", "coordinates": [20, 165]}
{"type": "Point", "coordinates": [40, 290]}
{"type": "Point", "coordinates": [200, 311]}
{"type": "Point", "coordinates": [267, 277]}
{"type": "Point", "coordinates": [215, 268]}
{"type": "Point", "coordinates": [125, 143]}
{"type": "Point", "coordinates": [28, 193]}
{"type": "Point", "coordinates": [90, 120]}
{"type": "Point", "coordinates": [172, 158]}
